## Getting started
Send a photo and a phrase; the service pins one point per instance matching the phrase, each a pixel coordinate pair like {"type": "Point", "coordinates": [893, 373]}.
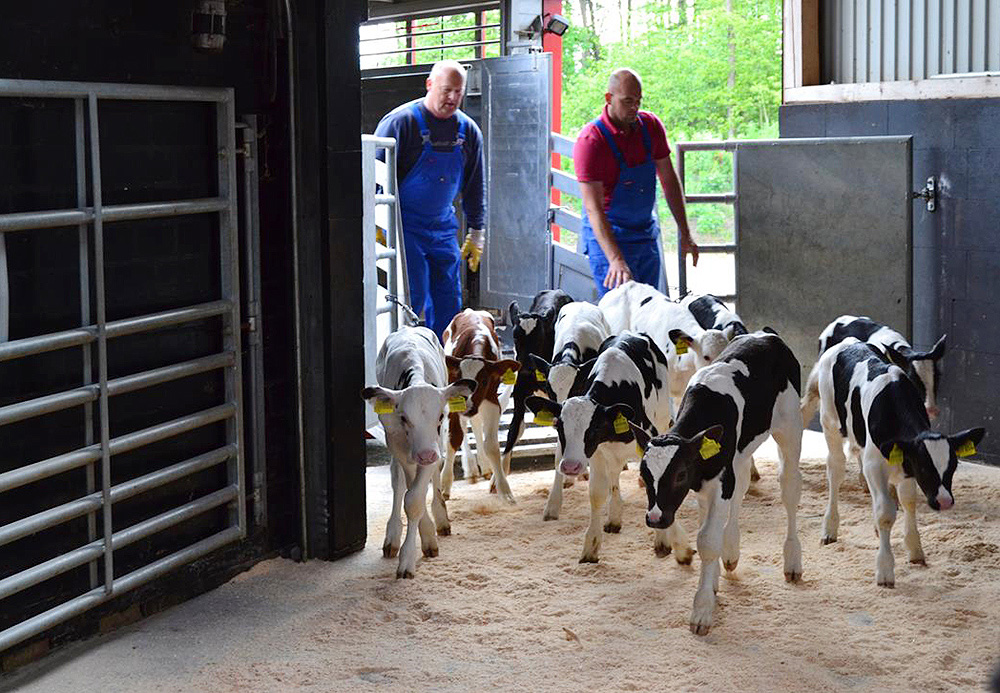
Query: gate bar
{"type": "Point", "coordinates": [74, 607]}
{"type": "Point", "coordinates": [93, 550]}
{"type": "Point", "coordinates": [119, 328]}
{"type": "Point", "coordinates": [129, 383]}
{"type": "Point", "coordinates": [54, 89]}
{"type": "Point", "coordinates": [49, 219]}
{"type": "Point", "coordinates": [131, 441]}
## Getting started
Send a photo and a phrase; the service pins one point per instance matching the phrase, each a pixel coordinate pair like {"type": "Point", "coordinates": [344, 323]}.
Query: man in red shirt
{"type": "Point", "coordinates": [618, 158]}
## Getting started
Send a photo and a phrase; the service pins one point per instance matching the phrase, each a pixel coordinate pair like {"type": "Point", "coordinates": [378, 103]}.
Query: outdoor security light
{"type": "Point", "coordinates": [557, 24]}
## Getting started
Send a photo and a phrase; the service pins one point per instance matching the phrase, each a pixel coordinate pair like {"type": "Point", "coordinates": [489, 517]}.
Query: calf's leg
{"type": "Point", "coordinates": [909, 496]}
{"type": "Point", "coordinates": [709, 549]}
{"type": "Point", "coordinates": [489, 446]}
{"type": "Point", "coordinates": [835, 463]}
{"type": "Point", "coordinates": [394, 526]}
{"type": "Point", "coordinates": [786, 428]}
{"type": "Point", "coordinates": [884, 511]}
{"type": "Point", "coordinates": [598, 487]}
{"type": "Point", "coordinates": [415, 505]}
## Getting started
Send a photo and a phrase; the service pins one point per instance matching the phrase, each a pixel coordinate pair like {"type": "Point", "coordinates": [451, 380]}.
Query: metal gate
{"type": "Point", "coordinates": [823, 229]}
{"type": "Point", "coordinates": [97, 450]}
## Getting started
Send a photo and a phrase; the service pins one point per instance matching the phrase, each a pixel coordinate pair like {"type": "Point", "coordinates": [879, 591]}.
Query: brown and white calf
{"type": "Point", "coordinates": [472, 351]}
{"type": "Point", "coordinates": [411, 398]}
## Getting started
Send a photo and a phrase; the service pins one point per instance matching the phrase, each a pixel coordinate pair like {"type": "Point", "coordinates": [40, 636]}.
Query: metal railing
{"type": "Point", "coordinates": [725, 198]}
{"type": "Point", "coordinates": [97, 451]}
{"type": "Point", "coordinates": [389, 250]}
{"type": "Point", "coordinates": [409, 29]}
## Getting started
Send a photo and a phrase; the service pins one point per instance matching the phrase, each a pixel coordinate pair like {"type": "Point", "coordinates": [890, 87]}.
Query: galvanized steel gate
{"type": "Point", "coordinates": [98, 450]}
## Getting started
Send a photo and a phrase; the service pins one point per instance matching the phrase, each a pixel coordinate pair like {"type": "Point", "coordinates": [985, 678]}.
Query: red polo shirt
{"type": "Point", "coordinates": [593, 160]}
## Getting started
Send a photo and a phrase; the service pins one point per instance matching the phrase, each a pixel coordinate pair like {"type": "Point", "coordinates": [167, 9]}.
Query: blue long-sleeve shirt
{"type": "Point", "coordinates": [401, 125]}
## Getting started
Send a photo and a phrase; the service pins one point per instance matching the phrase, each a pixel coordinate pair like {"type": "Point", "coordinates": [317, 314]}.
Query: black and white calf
{"type": "Point", "coordinates": [730, 407]}
{"type": "Point", "coordinates": [878, 409]}
{"type": "Point", "coordinates": [712, 314]}
{"type": "Point", "coordinates": [580, 332]}
{"type": "Point", "coordinates": [534, 331]}
{"type": "Point", "coordinates": [411, 363]}
{"type": "Point", "coordinates": [619, 304]}
{"type": "Point", "coordinates": [534, 336]}
{"type": "Point", "coordinates": [921, 366]}
{"type": "Point", "coordinates": [628, 382]}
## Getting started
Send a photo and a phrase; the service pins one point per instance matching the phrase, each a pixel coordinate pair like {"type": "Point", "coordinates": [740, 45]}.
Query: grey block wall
{"type": "Point", "coordinates": [956, 253]}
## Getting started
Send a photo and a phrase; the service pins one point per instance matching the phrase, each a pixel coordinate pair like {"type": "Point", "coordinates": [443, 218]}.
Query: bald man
{"type": "Point", "coordinates": [618, 158]}
{"type": "Point", "coordinates": [439, 154]}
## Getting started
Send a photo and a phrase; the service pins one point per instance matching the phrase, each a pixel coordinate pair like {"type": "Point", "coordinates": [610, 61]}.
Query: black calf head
{"type": "Point", "coordinates": [672, 465]}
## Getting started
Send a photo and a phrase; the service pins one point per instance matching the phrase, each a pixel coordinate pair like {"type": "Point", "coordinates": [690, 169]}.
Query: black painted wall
{"type": "Point", "coordinates": [153, 152]}
{"type": "Point", "coordinates": [956, 260]}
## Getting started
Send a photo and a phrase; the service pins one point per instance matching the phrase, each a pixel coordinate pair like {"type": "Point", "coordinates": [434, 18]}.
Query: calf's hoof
{"type": "Point", "coordinates": [405, 574]}
{"type": "Point", "coordinates": [568, 481]}
{"type": "Point", "coordinates": [827, 540]}
{"type": "Point", "coordinates": [662, 551]}
{"type": "Point", "coordinates": [446, 496]}
{"type": "Point", "coordinates": [389, 551]}
{"type": "Point", "coordinates": [700, 628]}
{"type": "Point", "coordinates": [793, 576]}
{"type": "Point", "coordinates": [585, 476]}
{"type": "Point", "coordinates": [431, 551]}
{"type": "Point", "coordinates": [444, 531]}
{"type": "Point", "coordinates": [919, 561]}
{"type": "Point", "coordinates": [754, 475]}
{"type": "Point", "coordinates": [588, 559]}
{"type": "Point", "coordinates": [731, 565]}
{"type": "Point", "coordinates": [550, 516]}
{"type": "Point", "coordinates": [887, 582]}
{"type": "Point", "coordinates": [684, 557]}
{"type": "Point", "coordinates": [612, 528]}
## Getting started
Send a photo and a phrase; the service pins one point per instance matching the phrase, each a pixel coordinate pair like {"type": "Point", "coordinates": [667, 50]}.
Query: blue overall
{"type": "Point", "coordinates": [433, 261]}
{"type": "Point", "coordinates": [632, 218]}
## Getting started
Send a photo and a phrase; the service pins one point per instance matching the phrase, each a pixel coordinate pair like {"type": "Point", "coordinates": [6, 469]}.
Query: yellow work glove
{"type": "Point", "coordinates": [473, 247]}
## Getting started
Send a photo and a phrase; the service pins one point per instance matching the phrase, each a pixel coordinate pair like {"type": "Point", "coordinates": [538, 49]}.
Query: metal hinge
{"type": "Point", "coordinates": [929, 193]}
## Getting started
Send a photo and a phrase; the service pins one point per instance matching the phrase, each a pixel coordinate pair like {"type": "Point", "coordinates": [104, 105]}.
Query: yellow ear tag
{"type": "Point", "coordinates": [966, 449]}
{"type": "Point", "coordinates": [456, 405]}
{"type": "Point", "coordinates": [709, 448]}
{"type": "Point", "coordinates": [509, 378]}
{"type": "Point", "coordinates": [896, 455]}
{"type": "Point", "coordinates": [638, 450]}
{"type": "Point", "coordinates": [544, 418]}
{"type": "Point", "coordinates": [681, 346]}
{"type": "Point", "coordinates": [539, 376]}
{"type": "Point", "coordinates": [384, 406]}
{"type": "Point", "coordinates": [621, 423]}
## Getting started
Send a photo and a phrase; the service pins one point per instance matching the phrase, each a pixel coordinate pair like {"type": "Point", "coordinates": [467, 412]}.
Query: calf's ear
{"type": "Point", "coordinates": [454, 367]}
{"type": "Point", "coordinates": [729, 331]}
{"type": "Point", "coordinates": [964, 442]}
{"type": "Point", "coordinates": [382, 399]}
{"type": "Point", "coordinates": [616, 423]}
{"type": "Point", "coordinates": [938, 350]}
{"type": "Point", "coordinates": [899, 357]}
{"type": "Point", "coordinates": [533, 362]}
{"type": "Point", "coordinates": [708, 449]}
{"type": "Point", "coordinates": [895, 451]}
{"type": "Point", "coordinates": [537, 405]}
{"type": "Point", "coordinates": [512, 313]}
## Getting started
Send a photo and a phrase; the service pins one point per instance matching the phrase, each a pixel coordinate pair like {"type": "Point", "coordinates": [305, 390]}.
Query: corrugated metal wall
{"type": "Point", "coordinates": [890, 40]}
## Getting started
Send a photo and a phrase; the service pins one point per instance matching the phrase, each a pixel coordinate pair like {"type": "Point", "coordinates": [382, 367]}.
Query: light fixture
{"type": "Point", "coordinates": [208, 25]}
{"type": "Point", "coordinates": [556, 24]}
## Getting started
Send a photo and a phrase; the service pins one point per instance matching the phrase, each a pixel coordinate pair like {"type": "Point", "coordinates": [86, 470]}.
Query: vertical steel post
{"type": "Point", "coordinates": [88, 368]}
{"type": "Point", "coordinates": [229, 252]}
{"type": "Point", "coordinates": [681, 263]}
{"type": "Point", "coordinates": [102, 341]}
{"type": "Point", "coordinates": [393, 238]}
{"type": "Point", "coordinates": [251, 254]}
{"type": "Point", "coordinates": [736, 227]}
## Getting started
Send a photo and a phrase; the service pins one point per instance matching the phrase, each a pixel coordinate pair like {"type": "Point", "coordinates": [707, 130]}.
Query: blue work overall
{"type": "Point", "coordinates": [433, 261]}
{"type": "Point", "coordinates": [632, 217]}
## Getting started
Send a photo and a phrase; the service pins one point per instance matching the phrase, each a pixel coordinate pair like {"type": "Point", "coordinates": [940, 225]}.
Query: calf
{"type": "Point", "coordinates": [628, 382]}
{"type": "Point", "coordinates": [712, 314]}
{"type": "Point", "coordinates": [580, 332]}
{"type": "Point", "coordinates": [618, 305]}
{"type": "Point", "coordinates": [751, 391]}
{"type": "Point", "coordinates": [411, 362]}
{"type": "Point", "coordinates": [534, 335]}
{"type": "Point", "coordinates": [921, 366]}
{"type": "Point", "coordinates": [878, 409]}
{"type": "Point", "coordinates": [472, 351]}
{"type": "Point", "coordinates": [534, 331]}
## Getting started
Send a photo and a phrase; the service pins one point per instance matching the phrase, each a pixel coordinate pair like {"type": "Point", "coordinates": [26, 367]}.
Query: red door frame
{"type": "Point", "coordinates": [553, 44]}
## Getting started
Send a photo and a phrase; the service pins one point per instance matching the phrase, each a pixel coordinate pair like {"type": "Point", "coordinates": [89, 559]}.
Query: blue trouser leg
{"type": "Point", "coordinates": [444, 261]}
{"type": "Point", "coordinates": [642, 258]}
{"type": "Point", "coordinates": [417, 274]}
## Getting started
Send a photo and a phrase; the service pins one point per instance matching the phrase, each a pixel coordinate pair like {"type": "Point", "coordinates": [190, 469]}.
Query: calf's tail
{"type": "Point", "coordinates": [810, 396]}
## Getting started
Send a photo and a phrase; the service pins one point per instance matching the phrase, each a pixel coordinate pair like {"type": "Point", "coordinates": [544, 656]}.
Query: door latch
{"type": "Point", "coordinates": [929, 193]}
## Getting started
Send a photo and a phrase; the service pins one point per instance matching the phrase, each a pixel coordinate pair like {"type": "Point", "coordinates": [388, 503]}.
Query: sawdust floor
{"type": "Point", "coordinates": [507, 607]}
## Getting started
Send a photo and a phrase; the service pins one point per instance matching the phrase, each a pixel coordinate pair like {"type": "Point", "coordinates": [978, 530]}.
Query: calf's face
{"type": "Point", "coordinates": [931, 459]}
{"type": "Point", "coordinates": [704, 349]}
{"type": "Point", "coordinates": [923, 369]}
{"type": "Point", "coordinates": [672, 466]}
{"type": "Point", "coordinates": [582, 425]}
{"type": "Point", "coordinates": [412, 417]}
